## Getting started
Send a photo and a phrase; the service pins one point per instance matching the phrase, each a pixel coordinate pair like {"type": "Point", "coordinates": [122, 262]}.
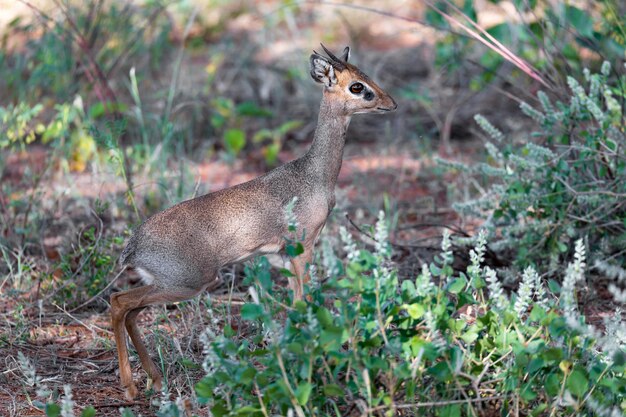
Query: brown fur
{"type": "Point", "coordinates": [179, 251]}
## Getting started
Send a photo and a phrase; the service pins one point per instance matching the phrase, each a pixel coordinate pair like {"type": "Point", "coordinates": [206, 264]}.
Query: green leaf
{"type": "Point", "coordinates": [325, 317]}
{"type": "Point", "coordinates": [53, 410]}
{"type": "Point", "coordinates": [534, 365]}
{"type": "Point", "coordinates": [270, 152]}
{"type": "Point", "coordinates": [457, 285]}
{"type": "Point", "coordinates": [294, 250]}
{"type": "Point", "coordinates": [247, 375]}
{"type": "Point", "coordinates": [577, 382]}
{"type": "Point", "coordinates": [453, 410]}
{"type": "Point", "coordinates": [333, 390]}
{"type": "Point", "coordinates": [247, 410]}
{"type": "Point", "coordinates": [537, 313]}
{"type": "Point", "coordinates": [288, 127]}
{"type": "Point", "coordinates": [552, 385]}
{"type": "Point", "coordinates": [619, 359]}
{"type": "Point", "coordinates": [303, 392]}
{"type": "Point", "coordinates": [234, 140]}
{"type": "Point", "coordinates": [554, 286]}
{"type": "Point", "coordinates": [441, 371]}
{"type": "Point", "coordinates": [415, 310]}
{"type": "Point", "coordinates": [296, 348]}
{"type": "Point", "coordinates": [471, 335]}
{"type": "Point", "coordinates": [249, 108]}
{"type": "Point", "coordinates": [220, 409]}
{"type": "Point", "coordinates": [189, 364]}
{"type": "Point", "coordinates": [203, 389]}
{"type": "Point", "coordinates": [251, 312]}
{"type": "Point", "coordinates": [501, 32]}
{"type": "Point", "coordinates": [580, 20]}
{"type": "Point", "coordinates": [100, 109]}
{"type": "Point", "coordinates": [261, 135]}
{"type": "Point", "coordinates": [127, 413]}
{"type": "Point", "coordinates": [88, 412]}
{"type": "Point", "coordinates": [538, 410]}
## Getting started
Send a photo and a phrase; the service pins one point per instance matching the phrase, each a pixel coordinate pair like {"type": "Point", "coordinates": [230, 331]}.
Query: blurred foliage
{"type": "Point", "coordinates": [52, 62]}
{"type": "Point", "coordinates": [557, 39]}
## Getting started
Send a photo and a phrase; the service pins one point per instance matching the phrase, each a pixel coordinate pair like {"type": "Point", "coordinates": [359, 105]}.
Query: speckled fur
{"type": "Point", "coordinates": [179, 251]}
{"type": "Point", "coordinates": [186, 245]}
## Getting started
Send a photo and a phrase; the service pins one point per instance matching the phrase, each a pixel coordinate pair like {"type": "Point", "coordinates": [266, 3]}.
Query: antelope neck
{"type": "Point", "coordinates": [325, 155]}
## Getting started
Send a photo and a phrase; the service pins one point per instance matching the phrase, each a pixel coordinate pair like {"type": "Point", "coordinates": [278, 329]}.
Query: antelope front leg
{"type": "Point", "coordinates": [300, 271]}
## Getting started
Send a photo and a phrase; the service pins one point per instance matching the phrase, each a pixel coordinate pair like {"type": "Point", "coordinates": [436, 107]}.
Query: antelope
{"type": "Point", "coordinates": [179, 252]}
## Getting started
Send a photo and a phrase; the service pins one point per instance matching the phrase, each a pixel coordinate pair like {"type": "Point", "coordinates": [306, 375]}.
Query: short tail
{"type": "Point", "coordinates": [127, 254]}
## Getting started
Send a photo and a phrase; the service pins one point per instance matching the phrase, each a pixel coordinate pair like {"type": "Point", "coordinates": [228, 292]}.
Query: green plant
{"type": "Point", "coordinates": [364, 343]}
{"type": "Point", "coordinates": [47, 400]}
{"type": "Point", "coordinates": [88, 265]}
{"type": "Point", "coordinates": [275, 136]}
{"type": "Point", "coordinates": [75, 39]}
{"type": "Point", "coordinates": [570, 182]}
{"type": "Point", "coordinates": [229, 119]}
{"type": "Point", "coordinates": [552, 38]}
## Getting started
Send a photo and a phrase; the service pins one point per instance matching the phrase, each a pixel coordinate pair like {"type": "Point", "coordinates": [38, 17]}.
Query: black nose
{"type": "Point", "coordinates": [395, 105]}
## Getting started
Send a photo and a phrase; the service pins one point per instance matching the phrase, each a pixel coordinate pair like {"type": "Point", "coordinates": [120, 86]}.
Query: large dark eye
{"type": "Point", "coordinates": [356, 88]}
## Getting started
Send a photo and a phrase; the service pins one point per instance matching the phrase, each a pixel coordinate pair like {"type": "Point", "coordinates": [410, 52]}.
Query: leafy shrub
{"type": "Point", "coordinates": [88, 266]}
{"type": "Point", "coordinates": [567, 184]}
{"type": "Point", "coordinates": [54, 55]}
{"type": "Point", "coordinates": [553, 38]}
{"type": "Point", "coordinates": [366, 344]}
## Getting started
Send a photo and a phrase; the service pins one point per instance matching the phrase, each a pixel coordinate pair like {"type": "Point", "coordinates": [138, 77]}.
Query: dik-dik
{"type": "Point", "coordinates": [179, 252]}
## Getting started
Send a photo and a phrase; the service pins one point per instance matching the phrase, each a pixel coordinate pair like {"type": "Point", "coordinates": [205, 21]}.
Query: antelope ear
{"type": "Point", "coordinates": [322, 70]}
{"type": "Point", "coordinates": [345, 55]}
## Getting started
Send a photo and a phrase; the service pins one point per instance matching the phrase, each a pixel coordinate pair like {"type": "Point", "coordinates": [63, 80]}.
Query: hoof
{"type": "Point", "coordinates": [157, 385]}
{"type": "Point", "coordinates": [131, 392]}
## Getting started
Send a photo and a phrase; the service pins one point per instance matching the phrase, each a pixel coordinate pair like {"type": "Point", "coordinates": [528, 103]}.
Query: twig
{"type": "Point", "coordinates": [438, 403]}
{"type": "Point", "coordinates": [381, 13]}
{"type": "Point", "coordinates": [394, 244]}
{"type": "Point", "coordinates": [452, 228]}
{"type": "Point", "coordinates": [138, 35]}
{"type": "Point", "coordinates": [88, 327]}
{"type": "Point", "coordinates": [491, 42]}
{"type": "Point", "coordinates": [126, 404]}
{"type": "Point", "coordinates": [101, 291]}
{"type": "Point", "coordinates": [83, 261]}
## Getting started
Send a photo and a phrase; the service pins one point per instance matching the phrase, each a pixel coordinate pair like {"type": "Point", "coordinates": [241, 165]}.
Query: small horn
{"type": "Point", "coordinates": [330, 54]}
{"type": "Point", "coordinates": [339, 64]}
{"type": "Point", "coordinates": [345, 56]}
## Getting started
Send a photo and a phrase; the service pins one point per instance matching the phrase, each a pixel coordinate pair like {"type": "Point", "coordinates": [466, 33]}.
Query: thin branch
{"type": "Point", "coordinates": [437, 403]}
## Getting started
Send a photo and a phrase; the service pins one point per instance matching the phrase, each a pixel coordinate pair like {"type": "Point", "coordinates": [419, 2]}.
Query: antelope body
{"type": "Point", "coordinates": [179, 252]}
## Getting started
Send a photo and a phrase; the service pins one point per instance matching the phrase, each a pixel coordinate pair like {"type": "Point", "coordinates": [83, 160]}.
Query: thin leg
{"type": "Point", "coordinates": [299, 266]}
{"type": "Point", "coordinates": [135, 335]}
{"type": "Point", "coordinates": [124, 302]}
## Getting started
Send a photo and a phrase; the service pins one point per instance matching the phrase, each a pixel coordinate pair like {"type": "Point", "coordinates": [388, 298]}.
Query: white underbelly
{"type": "Point", "coordinates": [262, 250]}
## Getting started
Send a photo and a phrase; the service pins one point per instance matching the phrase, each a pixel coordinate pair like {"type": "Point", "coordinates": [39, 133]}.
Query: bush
{"type": "Point", "coordinates": [53, 62]}
{"type": "Point", "coordinates": [364, 344]}
{"type": "Point", "coordinates": [569, 183]}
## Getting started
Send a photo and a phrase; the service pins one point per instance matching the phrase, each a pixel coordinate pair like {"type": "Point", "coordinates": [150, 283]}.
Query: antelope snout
{"type": "Point", "coordinates": [388, 104]}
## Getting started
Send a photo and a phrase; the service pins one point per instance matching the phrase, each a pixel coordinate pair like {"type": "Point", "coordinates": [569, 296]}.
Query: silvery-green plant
{"type": "Point", "coordinates": [567, 181]}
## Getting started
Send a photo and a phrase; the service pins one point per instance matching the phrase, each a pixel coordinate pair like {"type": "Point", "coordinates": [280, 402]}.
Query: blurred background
{"type": "Point", "coordinates": [113, 110]}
